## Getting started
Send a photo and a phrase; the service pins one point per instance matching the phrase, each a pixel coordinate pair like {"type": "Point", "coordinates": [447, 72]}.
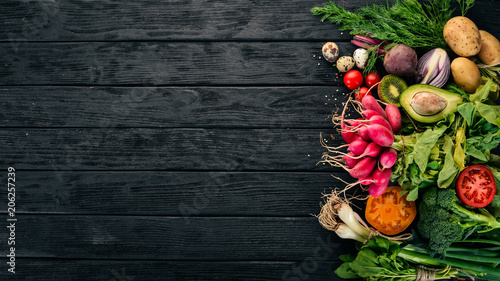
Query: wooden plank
{"type": "Point", "coordinates": [186, 194]}
{"type": "Point", "coordinates": [80, 20]}
{"type": "Point", "coordinates": [165, 149]}
{"type": "Point", "coordinates": [255, 107]}
{"type": "Point", "coordinates": [311, 268]}
{"type": "Point", "coordinates": [172, 238]}
{"type": "Point", "coordinates": [167, 63]}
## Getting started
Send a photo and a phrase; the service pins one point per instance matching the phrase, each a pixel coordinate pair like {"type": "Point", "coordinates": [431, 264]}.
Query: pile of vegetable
{"type": "Point", "coordinates": [423, 149]}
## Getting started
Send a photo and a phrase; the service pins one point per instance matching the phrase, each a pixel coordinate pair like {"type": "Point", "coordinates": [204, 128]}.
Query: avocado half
{"type": "Point", "coordinates": [429, 104]}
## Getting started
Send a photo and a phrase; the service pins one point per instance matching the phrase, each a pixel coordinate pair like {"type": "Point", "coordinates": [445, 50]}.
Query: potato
{"type": "Point", "coordinates": [466, 74]}
{"type": "Point", "coordinates": [463, 36]}
{"type": "Point", "coordinates": [490, 49]}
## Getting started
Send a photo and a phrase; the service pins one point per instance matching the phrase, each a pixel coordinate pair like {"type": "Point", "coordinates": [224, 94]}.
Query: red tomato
{"type": "Point", "coordinates": [353, 79]}
{"type": "Point", "coordinates": [476, 186]}
{"type": "Point", "coordinates": [372, 79]}
{"type": "Point", "coordinates": [362, 92]}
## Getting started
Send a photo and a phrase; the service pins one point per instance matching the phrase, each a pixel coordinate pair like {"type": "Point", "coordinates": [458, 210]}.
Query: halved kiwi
{"type": "Point", "coordinates": [390, 88]}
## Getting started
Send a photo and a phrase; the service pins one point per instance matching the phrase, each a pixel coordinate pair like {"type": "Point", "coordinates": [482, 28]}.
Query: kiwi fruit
{"type": "Point", "coordinates": [390, 88]}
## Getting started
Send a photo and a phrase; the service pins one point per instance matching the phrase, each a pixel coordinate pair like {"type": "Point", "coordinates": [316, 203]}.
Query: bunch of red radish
{"type": "Point", "coordinates": [370, 157]}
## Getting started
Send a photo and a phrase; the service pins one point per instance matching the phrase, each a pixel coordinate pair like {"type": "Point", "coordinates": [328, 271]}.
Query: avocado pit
{"type": "Point", "coordinates": [427, 104]}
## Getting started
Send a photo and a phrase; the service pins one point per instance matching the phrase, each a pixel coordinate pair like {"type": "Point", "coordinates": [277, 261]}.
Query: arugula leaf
{"type": "Point", "coordinates": [449, 170]}
{"type": "Point", "coordinates": [460, 141]}
{"type": "Point", "coordinates": [476, 153]}
{"type": "Point", "coordinates": [490, 112]}
{"type": "Point", "coordinates": [482, 93]}
{"type": "Point", "coordinates": [344, 271]}
{"type": "Point", "coordinates": [412, 195]}
{"type": "Point", "coordinates": [425, 144]}
{"type": "Point", "coordinates": [467, 110]}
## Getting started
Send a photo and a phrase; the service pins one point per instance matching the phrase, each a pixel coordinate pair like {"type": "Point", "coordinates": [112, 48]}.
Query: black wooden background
{"type": "Point", "coordinates": [170, 140]}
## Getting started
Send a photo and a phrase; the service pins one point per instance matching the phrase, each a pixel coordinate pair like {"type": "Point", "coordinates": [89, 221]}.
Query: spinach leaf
{"type": "Point", "coordinates": [490, 112]}
{"type": "Point", "coordinates": [449, 170]}
{"type": "Point", "coordinates": [467, 110]}
{"type": "Point", "coordinates": [344, 271]}
{"type": "Point", "coordinates": [424, 145]}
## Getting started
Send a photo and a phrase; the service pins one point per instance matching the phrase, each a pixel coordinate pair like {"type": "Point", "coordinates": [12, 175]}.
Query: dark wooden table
{"type": "Point", "coordinates": [170, 140]}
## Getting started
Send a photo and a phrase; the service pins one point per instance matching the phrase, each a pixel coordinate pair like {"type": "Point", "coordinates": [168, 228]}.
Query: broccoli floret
{"type": "Point", "coordinates": [429, 197]}
{"type": "Point", "coordinates": [444, 221]}
{"type": "Point", "coordinates": [439, 227]}
{"type": "Point", "coordinates": [446, 198]}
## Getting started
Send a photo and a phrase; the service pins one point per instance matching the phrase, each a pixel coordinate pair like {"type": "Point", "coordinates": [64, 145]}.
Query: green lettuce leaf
{"type": "Point", "coordinates": [450, 169]}
{"type": "Point", "coordinates": [425, 144]}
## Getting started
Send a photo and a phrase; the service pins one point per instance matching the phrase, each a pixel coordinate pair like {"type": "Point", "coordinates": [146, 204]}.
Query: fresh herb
{"type": "Point", "coordinates": [390, 258]}
{"type": "Point", "coordinates": [406, 22]}
{"type": "Point", "coordinates": [381, 259]}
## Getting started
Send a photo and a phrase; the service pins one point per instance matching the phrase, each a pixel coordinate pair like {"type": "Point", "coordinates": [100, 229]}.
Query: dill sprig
{"type": "Point", "coordinates": [404, 22]}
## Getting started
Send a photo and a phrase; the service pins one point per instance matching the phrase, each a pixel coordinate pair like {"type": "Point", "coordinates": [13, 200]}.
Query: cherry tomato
{"type": "Point", "coordinates": [372, 79]}
{"type": "Point", "coordinates": [353, 79]}
{"type": "Point", "coordinates": [390, 213]}
{"type": "Point", "coordinates": [362, 92]}
{"type": "Point", "coordinates": [476, 186]}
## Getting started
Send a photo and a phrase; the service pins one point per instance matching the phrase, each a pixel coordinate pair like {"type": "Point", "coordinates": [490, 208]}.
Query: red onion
{"type": "Point", "coordinates": [434, 68]}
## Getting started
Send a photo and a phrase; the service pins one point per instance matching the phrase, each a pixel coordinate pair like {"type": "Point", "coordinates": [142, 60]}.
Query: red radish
{"type": "Point", "coordinates": [356, 123]}
{"type": "Point", "coordinates": [377, 190]}
{"type": "Point", "coordinates": [388, 158]}
{"type": "Point", "coordinates": [347, 134]}
{"type": "Point", "coordinates": [369, 102]}
{"type": "Point", "coordinates": [377, 119]}
{"type": "Point", "coordinates": [393, 117]}
{"type": "Point", "coordinates": [363, 168]}
{"type": "Point", "coordinates": [363, 133]}
{"type": "Point", "coordinates": [365, 180]}
{"type": "Point", "coordinates": [368, 113]}
{"type": "Point", "coordinates": [350, 161]}
{"type": "Point", "coordinates": [380, 135]}
{"type": "Point", "coordinates": [357, 147]}
{"type": "Point", "coordinates": [381, 176]}
{"type": "Point", "coordinates": [371, 150]}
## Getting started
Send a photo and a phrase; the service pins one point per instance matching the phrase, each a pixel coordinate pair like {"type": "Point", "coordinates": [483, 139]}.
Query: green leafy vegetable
{"type": "Point", "coordinates": [424, 145]}
{"type": "Point", "coordinates": [405, 21]}
{"type": "Point", "coordinates": [443, 221]}
{"type": "Point", "coordinates": [449, 170]}
{"type": "Point", "coordinates": [460, 140]}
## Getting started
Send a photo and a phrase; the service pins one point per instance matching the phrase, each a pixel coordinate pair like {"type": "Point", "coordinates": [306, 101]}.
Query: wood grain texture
{"type": "Point", "coordinates": [164, 149]}
{"type": "Point", "coordinates": [80, 20]}
{"type": "Point", "coordinates": [188, 194]}
{"type": "Point", "coordinates": [172, 139]}
{"type": "Point", "coordinates": [170, 107]}
{"type": "Point", "coordinates": [172, 238]}
{"type": "Point", "coordinates": [311, 268]}
{"type": "Point", "coordinates": [166, 63]}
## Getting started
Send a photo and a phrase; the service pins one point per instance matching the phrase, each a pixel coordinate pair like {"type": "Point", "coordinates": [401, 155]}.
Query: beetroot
{"type": "Point", "coordinates": [401, 60]}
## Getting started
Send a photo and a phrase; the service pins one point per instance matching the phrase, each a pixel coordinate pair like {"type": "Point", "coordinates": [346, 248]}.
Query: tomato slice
{"type": "Point", "coordinates": [390, 213]}
{"type": "Point", "coordinates": [476, 186]}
